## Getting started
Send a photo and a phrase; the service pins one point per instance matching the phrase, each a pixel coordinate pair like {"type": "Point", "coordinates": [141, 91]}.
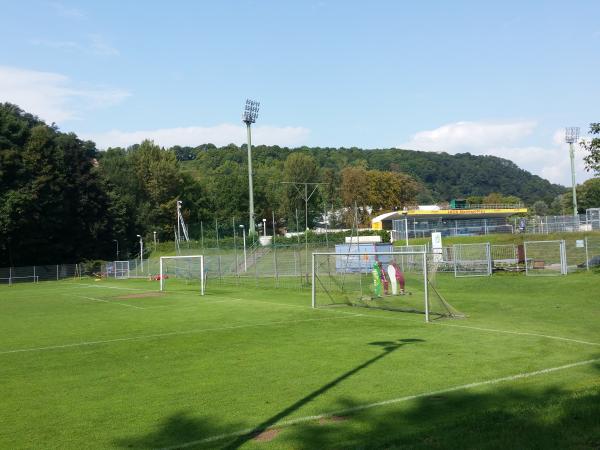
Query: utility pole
{"type": "Point", "coordinates": [571, 136]}
{"type": "Point", "coordinates": [249, 117]}
{"type": "Point", "coordinates": [306, 197]}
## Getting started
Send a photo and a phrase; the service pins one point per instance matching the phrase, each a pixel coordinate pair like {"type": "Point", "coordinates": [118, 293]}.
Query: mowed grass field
{"type": "Point", "coordinates": [111, 364]}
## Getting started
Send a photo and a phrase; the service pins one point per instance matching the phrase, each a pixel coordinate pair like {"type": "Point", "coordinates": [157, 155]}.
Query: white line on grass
{"type": "Point", "coordinates": [490, 330]}
{"type": "Point", "coordinates": [297, 306]}
{"type": "Point", "coordinates": [172, 333]}
{"type": "Point", "coordinates": [111, 287]}
{"type": "Point", "coordinates": [108, 301]}
{"type": "Point", "coordinates": [285, 423]}
{"type": "Point", "coordinates": [520, 333]}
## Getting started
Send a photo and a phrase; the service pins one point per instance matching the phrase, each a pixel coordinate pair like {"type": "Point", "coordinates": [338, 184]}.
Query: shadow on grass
{"type": "Point", "coordinates": [387, 346]}
{"type": "Point", "coordinates": [184, 429]}
{"type": "Point", "coordinates": [500, 417]}
{"type": "Point", "coordinates": [181, 428]}
{"type": "Point", "coordinates": [524, 418]}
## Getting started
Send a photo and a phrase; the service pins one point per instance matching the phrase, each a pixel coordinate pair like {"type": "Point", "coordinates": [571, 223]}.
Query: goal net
{"type": "Point", "coordinates": [182, 273]}
{"type": "Point", "coordinates": [121, 269]}
{"type": "Point", "coordinates": [397, 281]}
{"type": "Point", "coordinates": [472, 260]}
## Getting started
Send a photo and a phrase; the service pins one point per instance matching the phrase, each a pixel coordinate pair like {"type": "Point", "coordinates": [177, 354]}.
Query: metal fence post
{"type": "Point", "coordinates": [313, 287]}
{"type": "Point", "coordinates": [255, 266]}
{"type": "Point", "coordinates": [587, 256]}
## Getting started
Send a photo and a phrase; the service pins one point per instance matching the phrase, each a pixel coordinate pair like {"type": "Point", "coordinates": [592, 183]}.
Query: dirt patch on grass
{"type": "Point", "coordinates": [331, 419]}
{"type": "Point", "coordinates": [142, 295]}
{"type": "Point", "coordinates": [266, 436]}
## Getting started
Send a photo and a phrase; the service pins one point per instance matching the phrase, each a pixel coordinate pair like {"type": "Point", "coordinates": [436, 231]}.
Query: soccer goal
{"type": "Point", "coordinates": [396, 281]}
{"type": "Point", "coordinates": [472, 260]}
{"type": "Point", "coordinates": [182, 273]}
{"type": "Point", "coordinates": [121, 269]}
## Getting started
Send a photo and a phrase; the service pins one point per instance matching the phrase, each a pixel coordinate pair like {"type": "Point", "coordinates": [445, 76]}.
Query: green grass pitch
{"type": "Point", "coordinates": [86, 364]}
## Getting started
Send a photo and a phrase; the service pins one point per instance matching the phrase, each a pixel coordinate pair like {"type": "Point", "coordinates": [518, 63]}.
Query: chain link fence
{"type": "Point", "coordinates": [289, 266]}
{"type": "Point", "coordinates": [35, 274]}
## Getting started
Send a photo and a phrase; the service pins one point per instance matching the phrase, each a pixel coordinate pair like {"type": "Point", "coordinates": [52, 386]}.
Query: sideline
{"type": "Point", "coordinates": [520, 333]}
{"type": "Point", "coordinates": [378, 316]}
{"type": "Point", "coordinates": [106, 301]}
{"type": "Point", "coordinates": [287, 423]}
{"type": "Point", "coordinates": [172, 333]}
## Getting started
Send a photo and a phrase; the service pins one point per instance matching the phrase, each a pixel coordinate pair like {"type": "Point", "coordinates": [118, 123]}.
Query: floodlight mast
{"type": "Point", "coordinates": [571, 136]}
{"type": "Point", "coordinates": [249, 117]}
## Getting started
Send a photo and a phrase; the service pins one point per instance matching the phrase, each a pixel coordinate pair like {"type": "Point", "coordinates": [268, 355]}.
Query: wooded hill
{"type": "Point", "coordinates": [63, 201]}
{"type": "Point", "coordinates": [445, 176]}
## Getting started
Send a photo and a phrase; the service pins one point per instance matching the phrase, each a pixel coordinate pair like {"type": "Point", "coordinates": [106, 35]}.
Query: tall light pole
{"type": "Point", "coordinates": [249, 117]}
{"type": "Point", "coordinates": [571, 136]}
{"type": "Point", "coordinates": [154, 232]}
{"type": "Point", "coordinates": [265, 227]}
{"type": "Point", "coordinates": [244, 236]}
{"type": "Point", "coordinates": [141, 253]}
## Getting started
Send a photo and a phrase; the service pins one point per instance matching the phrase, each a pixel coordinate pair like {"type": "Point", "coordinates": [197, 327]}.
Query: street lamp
{"type": "Point", "coordinates": [141, 253]}
{"type": "Point", "coordinates": [154, 232]}
{"type": "Point", "coordinates": [265, 227]}
{"type": "Point", "coordinates": [114, 240]}
{"type": "Point", "coordinates": [571, 136]}
{"type": "Point", "coordinates": [249, 117]}
{"type": "Point", "coordinates": [244, 238]}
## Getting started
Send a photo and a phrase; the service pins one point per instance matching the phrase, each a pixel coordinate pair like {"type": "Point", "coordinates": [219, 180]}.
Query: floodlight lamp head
{"type": "Point", "coordinates": [250, 111]}
{"type": "Point", "coordinates": [571, 134]}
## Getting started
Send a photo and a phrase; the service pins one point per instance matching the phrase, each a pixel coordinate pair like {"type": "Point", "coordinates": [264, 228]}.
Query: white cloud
{"type": "Point", "coordinates": [52, 96]}
{"type": "Point", "coordinates": [219, 135]}
{"type": "Point", "coordinates": [95, 44]}
{"type": "Point", "coordinates": [461, 136]}
{"type": "Point", "coordinates": [551, 161]}
{"type": "Point", "coordinates": [66, 11]}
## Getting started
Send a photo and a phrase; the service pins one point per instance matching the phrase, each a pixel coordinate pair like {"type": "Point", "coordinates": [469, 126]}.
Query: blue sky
{"type": "Point", "coordinates": [500, 78]}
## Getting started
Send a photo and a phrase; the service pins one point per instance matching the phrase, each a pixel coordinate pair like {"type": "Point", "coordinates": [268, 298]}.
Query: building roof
{"type": "Point", "coordinates": [476, 213]}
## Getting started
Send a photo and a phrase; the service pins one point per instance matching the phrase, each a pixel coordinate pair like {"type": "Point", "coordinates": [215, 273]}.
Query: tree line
{"type": "Point", "coordinates": [63, 200]}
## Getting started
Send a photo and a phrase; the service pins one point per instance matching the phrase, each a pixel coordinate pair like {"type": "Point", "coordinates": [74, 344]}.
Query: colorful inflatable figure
{"type": "Point", "coordinates": [377, 285]}
{"type": "Point", "coordinates": [398, 275]}
{"type": "Point", "coordinates": [384, 279]}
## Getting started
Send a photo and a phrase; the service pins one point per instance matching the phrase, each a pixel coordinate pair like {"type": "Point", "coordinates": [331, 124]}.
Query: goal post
{"type": "Point", "coordinates": [187, 270]}
{"type": "Point", "coordinates": [396, 281]}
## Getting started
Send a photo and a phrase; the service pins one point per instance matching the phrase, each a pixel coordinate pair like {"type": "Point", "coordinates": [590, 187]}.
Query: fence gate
{"type": "Point", "coordinates": [545, 258]}
{"type": "Point", "coordinates": [472, 260]}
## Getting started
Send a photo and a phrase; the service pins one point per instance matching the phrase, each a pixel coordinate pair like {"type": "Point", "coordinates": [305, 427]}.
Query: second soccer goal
{"type": "Point", "coordinates": [182, 273]}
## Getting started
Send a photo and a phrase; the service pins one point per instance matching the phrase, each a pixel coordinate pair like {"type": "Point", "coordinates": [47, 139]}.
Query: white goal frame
{"type": "Point", "coordinates": [121, 269]}
{"type": "Point", "coordinates": [359, 253]}
{"type": "Point", "coordinates": [202, 278]}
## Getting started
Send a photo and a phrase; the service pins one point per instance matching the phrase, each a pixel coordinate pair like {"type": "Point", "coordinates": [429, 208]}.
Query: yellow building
{"type": "Point", "coordinates": [465, 220]}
